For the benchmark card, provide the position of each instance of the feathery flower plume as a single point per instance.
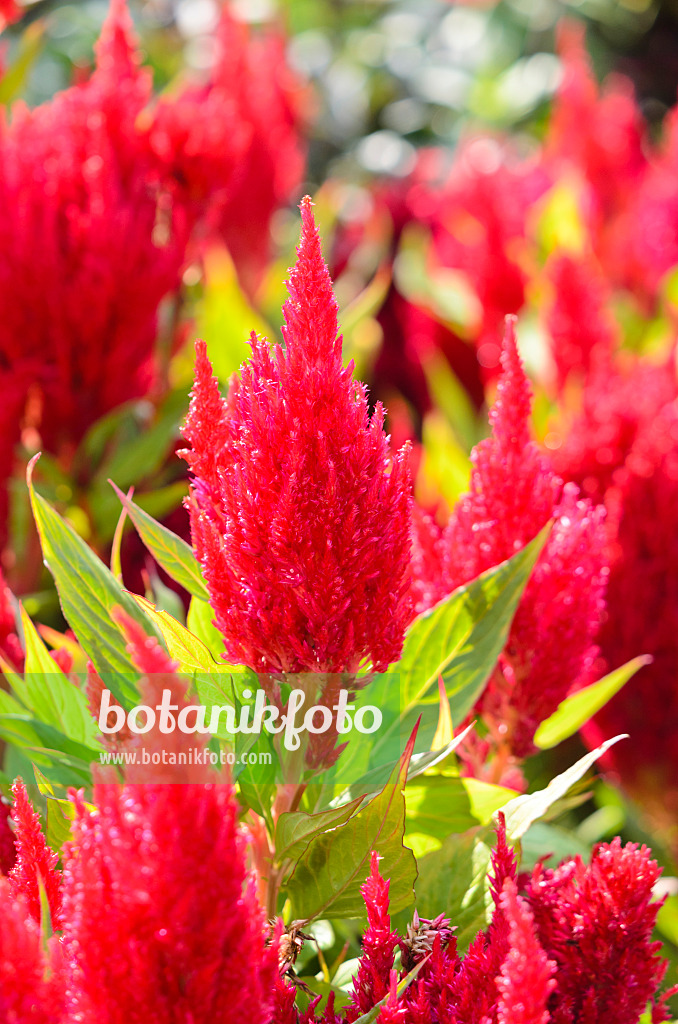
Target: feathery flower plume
(27, 994)
(7, 844)
(525, 981)
(299, 518)
(379, 944)
(582, 332)
(623, 448)
(598, 134)
(514, 493)
(85, 224)
(36, 864)
(619, 402)
(10, 645)
(595, 922)
(162, 924)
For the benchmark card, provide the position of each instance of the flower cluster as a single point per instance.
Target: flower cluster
(102, 201)
(514, 493)
(299, 516)
(564, 946)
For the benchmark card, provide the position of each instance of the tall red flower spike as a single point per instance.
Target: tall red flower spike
(623, 448)
(514, 493)
(7, 844)
(36, 863)
(237, 140)
(597, 133)
(596, 923)
(525, 982)
(10, 645)
(28, 994)
(161, 923)
(379, 944)
(582, 331)
(299, 517)
(89, 245)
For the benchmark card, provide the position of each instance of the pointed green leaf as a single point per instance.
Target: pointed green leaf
(459, 639)
(330, 873)
(575, 711)
(87, 592)
(199, 621)
(171, 552)
(52, 697)
(523, 810)
(454, 881)
(183, 646)
(295, 829)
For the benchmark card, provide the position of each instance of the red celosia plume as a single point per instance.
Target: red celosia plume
(161, 923)
(299, 516)
(31, 989)
(514, 493)
(372, 981)
(526, 978)
(35, 869)
(595, 922)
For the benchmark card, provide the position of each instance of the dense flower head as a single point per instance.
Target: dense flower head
(618, 402)
(83, 226)
(274, 104)
(623, 449)
(35, 870)
(514, 493)
(299, 517)
(161, 922)
(643, 614)
(650, 233)
(234, 140)
(7, 844)
(595, 921)
(478, 215)
(28, 994)
(526, 978)
(559, 951)
(581, 330)
(597, 133)
(379, 944)
(10, 645)
(104, 199)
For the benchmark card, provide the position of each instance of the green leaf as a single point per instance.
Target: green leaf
(199, 621)
(47, 692)
(29, 49)
(371, 782)
(64, 763)
(183, 646)
(546, 840)
(574, 711)
(88, 592)
(327, 879)
(171, 552)
(60, 814)
(486, 798)
(454, 881)
(523, 810)
(459, 639)
(295, 829)
(437, 806)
